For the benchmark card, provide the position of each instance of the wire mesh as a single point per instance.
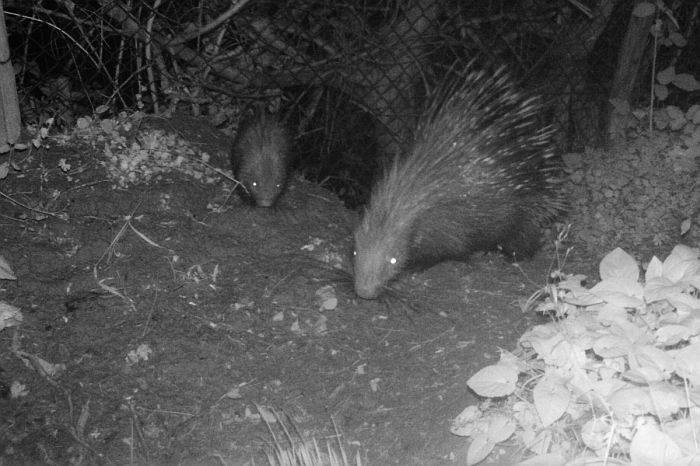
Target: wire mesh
(346, 73)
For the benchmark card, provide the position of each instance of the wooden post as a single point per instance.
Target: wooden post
(10, 121)
(629, 61)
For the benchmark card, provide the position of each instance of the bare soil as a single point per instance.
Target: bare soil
(176, 322)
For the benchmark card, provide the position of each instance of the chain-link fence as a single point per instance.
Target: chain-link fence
(350, 76)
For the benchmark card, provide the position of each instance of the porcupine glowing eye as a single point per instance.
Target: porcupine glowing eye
(392, 261)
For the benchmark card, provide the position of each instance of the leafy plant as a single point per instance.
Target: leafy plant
(614, 375)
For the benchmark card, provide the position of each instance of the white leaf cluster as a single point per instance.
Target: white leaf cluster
(619, 368)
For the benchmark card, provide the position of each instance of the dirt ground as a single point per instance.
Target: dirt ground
(171, 324)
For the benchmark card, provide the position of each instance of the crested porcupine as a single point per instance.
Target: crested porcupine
(479, 176)
(260, 157)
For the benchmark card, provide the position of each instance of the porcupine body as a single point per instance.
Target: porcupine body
(479, 176)
(260, 157)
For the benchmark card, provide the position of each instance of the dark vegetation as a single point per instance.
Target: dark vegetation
(350, 78)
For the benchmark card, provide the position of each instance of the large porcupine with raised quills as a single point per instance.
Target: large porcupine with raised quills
(261, 156)
(479, 176)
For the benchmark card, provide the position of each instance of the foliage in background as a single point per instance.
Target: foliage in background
(647, 193)
(213, 58)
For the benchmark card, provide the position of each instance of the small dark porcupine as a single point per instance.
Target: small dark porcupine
(260, 157)
(479, 176)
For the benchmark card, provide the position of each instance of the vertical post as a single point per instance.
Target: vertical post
(10, 124)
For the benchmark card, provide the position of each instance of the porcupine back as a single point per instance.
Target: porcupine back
(479, 176)
(260, 157)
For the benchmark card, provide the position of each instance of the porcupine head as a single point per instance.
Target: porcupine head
(382, 242)
(260, 158)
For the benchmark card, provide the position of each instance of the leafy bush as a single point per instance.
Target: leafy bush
(614, 375)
